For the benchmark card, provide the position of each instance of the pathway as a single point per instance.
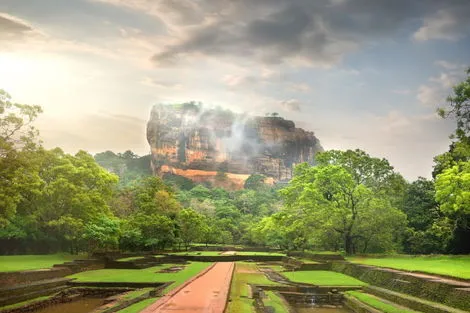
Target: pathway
(206, 293)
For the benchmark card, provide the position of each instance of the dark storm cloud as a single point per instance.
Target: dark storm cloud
(313, 31)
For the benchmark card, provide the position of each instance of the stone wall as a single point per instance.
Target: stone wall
(440, 291)
(14, 278)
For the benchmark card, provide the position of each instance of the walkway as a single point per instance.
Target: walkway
(206, 293)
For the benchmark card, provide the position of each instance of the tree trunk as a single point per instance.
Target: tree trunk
(348, 245)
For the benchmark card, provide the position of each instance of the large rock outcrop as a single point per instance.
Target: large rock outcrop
(191, 141)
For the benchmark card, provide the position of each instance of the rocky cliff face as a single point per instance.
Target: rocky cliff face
(186, 139)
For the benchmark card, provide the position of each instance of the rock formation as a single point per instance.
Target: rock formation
(191, 141)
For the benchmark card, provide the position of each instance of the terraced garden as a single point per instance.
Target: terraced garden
(253, 288)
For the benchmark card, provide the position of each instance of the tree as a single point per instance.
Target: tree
(453, 189)
(152, 196)
(102, 233)
(190, 226)
(329, 198)
(419, 204)
(157, 231)
(255, 182)
(451, 168)
(459, 107)
(68, 193)
(17, 139)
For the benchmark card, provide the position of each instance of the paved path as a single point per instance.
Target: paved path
(206, 293)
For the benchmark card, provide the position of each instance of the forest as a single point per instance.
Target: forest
(349, 201)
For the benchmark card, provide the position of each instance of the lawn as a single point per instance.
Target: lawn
(143, 275)
(201, 253)
(448, 265)
(245, 273)
(323, 278)
(12, 263)
(259, 253)
(377, 303)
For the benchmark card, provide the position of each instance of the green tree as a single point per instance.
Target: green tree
(419, 204)
(329, 198)
(102, 234)
(451, 168)
(156, 231)
(190, 226)
(152, 196)
(453, 189)
(17, 139)
(255, 182)
(459, 107)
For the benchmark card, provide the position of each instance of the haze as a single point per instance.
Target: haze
(365, 74)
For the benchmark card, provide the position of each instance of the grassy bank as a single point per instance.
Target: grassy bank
(13, 263)
(323, 278)
(143, 275)
(448, 265)
(377, 303)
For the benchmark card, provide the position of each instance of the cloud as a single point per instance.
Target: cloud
(309, 32)
(402, 91)
(147, 81)
(449, 23)
(232, 80)
(447, 65)
(299, 87)
(302, 32)
(13, 29)
(428, 95)
(436, 90)
(292, 105)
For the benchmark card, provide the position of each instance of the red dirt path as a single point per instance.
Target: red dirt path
(207, 292)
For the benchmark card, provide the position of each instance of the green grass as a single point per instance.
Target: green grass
(448, 265)
(245, 273)
(13, 263)
(259, 253)
(133, 258)
(139, 306)
(377, 303)
(275, 301)
(323, 278)
(201, 253)
(147, 275)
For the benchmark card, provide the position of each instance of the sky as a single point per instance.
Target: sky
(365, 74)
